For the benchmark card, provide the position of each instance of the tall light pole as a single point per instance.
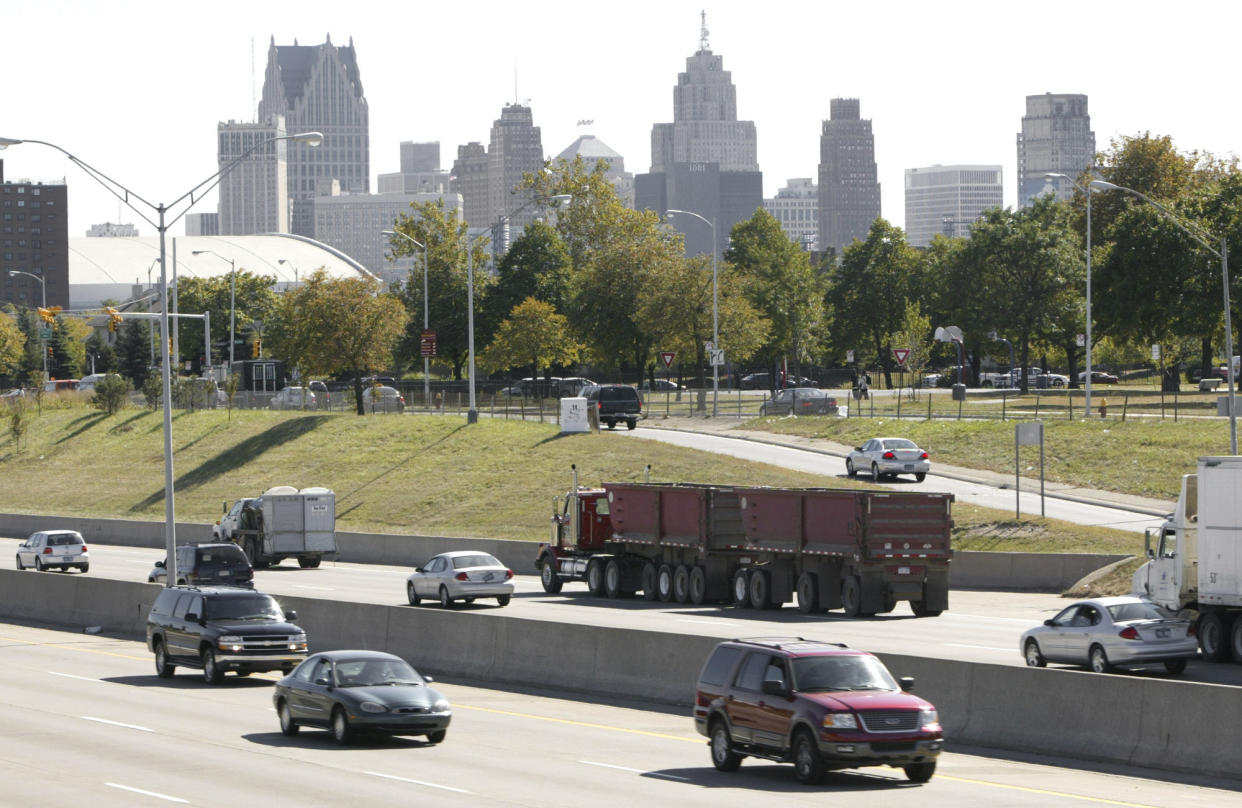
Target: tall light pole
(472, 414)
(232, 303)
(295, 270)
(715, 303)
(43, 287)
(426, 312)
(162, 222)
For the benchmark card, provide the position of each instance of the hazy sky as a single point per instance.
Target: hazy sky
(136, 88)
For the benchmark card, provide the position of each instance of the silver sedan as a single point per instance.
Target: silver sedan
(888, 457)
(1104, 632)
(461, 574)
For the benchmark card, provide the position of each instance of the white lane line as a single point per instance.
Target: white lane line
(115, 723)
(83, 678)
(981, 647)
(635, 771)
(155, 794)
(417, 782)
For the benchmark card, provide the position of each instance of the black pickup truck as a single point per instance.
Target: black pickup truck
(615, 402)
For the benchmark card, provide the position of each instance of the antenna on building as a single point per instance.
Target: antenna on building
(515, 91)
(703, 46)
(254, 103)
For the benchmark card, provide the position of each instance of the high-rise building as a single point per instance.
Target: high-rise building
(705, 161)
(420, 171)
(34, 239)
(470, 180)
(202, 224)
(112, 230)
(796, 207)
(417, 157)
(849, 193)
(591, 149)
(254, 195)
(317, 88)
(1056, 137)
(948, 200)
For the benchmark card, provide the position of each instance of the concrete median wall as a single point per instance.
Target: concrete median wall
(1036, 572)
(1155, 723)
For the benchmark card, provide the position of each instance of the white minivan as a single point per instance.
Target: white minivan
(54, 549)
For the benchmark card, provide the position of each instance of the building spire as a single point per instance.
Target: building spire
(703, 46)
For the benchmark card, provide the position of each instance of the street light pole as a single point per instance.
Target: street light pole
(232, 304)
(43, 296)
(472, 414)
(715, 304)
(426, 313)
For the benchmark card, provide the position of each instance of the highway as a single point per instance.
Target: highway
(87, 722)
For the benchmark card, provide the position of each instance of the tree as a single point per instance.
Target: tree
(253, 299)
(535, 335)
(12, 344)
(101, 352)
(134, 351)
(537, 265)
(68, 345)
(915, 336)
(111, 393)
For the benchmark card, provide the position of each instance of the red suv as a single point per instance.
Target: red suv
(819, 705)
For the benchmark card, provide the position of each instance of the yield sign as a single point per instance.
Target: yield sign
(901, 354)
(667, 358)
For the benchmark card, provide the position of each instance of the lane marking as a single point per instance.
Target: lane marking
(83, 678)
(418, 782)
(115, 723)
(70, 647)
(635, 771)
(586, 724)
(1044, 791)
(980, 647)
(155, 794)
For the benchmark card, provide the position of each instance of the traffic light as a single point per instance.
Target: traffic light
(114, 318)
(48, 315)
(256, 349)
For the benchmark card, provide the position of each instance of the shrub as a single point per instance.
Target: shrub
(111, 392)
(153, 390)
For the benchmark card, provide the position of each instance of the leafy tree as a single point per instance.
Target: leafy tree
(537, 265)
(19, 416)
(533, 335)
(915, 335)
(253, 297)
(153, 390)
(68, 344)
(12, 344)
(111, 393)
(134, 351)
(103, 352)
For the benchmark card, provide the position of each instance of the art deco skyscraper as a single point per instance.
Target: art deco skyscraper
(849, 193)
(1056, 137)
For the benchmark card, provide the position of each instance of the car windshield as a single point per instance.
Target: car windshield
(900, 443)
(375, 673)
(1139, 610)
(61, 539)
(477, 560)
(247, 607)
(841, 672)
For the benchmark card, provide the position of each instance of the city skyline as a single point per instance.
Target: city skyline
(149, 113)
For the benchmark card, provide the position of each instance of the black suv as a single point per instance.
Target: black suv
(615, 402)
(216, 564)
(220, 629)
(819, 705)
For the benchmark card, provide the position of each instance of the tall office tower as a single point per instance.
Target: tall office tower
(316, 88)
(420, 171)
(948, 200)
(1056, 137)
(796, 207)
(34, 235)
(470, 180)
(202, 224)
(417, 157)
(591, 149)
(112, 230)
(516, 150)
(254, 196)
(849, 193)
(705, 160)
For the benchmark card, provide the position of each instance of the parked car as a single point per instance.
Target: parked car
(60, 385)
(1098, 377)
(661, 386)
(542, 387)
(572, 386)
(219, 629)
(799, 401)
(933, 380)
(460, 575)
(615, 403)
(355, 692)
(323, 398)
(756, 381)
(382, 399)
(87, 383)
(293, 398)
(888, 457)
(819, 705)
(16, 393)
(211, 564)
(54, 550)
(1103, 632)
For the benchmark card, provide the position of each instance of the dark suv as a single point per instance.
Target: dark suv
(615, 402)
(819, 705)
(210, 564)
(220, 629)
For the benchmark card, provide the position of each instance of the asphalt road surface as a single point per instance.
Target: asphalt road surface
(87, 722)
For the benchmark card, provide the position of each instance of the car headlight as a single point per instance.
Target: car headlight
(931, 719)
(229, 642)
(297, 642)
(840, 721)
(372, 707)
(441, 706)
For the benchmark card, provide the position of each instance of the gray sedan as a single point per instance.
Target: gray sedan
(888, 457)
(460, 575)
(1104, 632)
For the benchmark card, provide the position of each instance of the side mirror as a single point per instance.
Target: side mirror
(428, 679)
(192, 617)
(907, 683)
(323, 682)
(858, 448)
(774, 687)
(160, 563)
(1049, 623)
(418, 569)
(292, 614)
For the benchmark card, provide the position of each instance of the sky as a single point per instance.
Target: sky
(136, 88)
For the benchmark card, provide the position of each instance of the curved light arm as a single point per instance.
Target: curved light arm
(411, 239)
(674, 212)
(1189, 228)
(39, 278)
(232, 263)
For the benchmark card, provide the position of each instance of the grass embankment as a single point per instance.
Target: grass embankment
(401, 474)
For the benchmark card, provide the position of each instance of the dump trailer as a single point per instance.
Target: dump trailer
(860, 551)
(287, 523)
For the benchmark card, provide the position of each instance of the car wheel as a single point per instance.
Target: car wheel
(723, 756)
(741, 588)
(341, 731)
(548, 578)
(808, 763)
(502, 600)
(851, 596)
(647, 579)
(437, 736)
(920, 476)
(698, 586)
(212, 674)
(84, 568)
(664, 582)
(288, 727)
(445, 601)
(875, 472)
(595, 577)
(39, 565)
(681, 584)
(808, 593)
(1211, 636)
(612, 578)
(19, 562)
(411, 595)
(611, 424)
(1099, 660)
(850, 471)
(631, 424)
(761, 589)
(920, 772)
(1175, 666)
(163, 668)
(1034, 658)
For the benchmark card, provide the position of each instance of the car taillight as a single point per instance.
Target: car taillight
(461, 576)
(47, 551)
(923, 456)
(1129, 633)
(508, 574)
(889, 455)
(83, 550)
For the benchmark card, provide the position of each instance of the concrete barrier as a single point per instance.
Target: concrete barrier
(1155, 723)
(1036, 572)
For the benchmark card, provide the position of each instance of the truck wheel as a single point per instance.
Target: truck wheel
(919, 607)
(595, 576)
(664, 582)
(851, 596)
(648, 580)
(1235, 639)
(163, 668)
(920, 772)
(698, 586)
(551, 582)
(808, 763)
(1212, 637)
(723, 756)
(681, 584)
(808, 593)
(212, 674)
(761, 589)
(309, 562)
(741, 588)
(612, 578)
(630, 424)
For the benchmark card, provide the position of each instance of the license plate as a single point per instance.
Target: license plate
(909, 467)
(1162, 633)
(903, 570)
(487, 576)
(223, 573)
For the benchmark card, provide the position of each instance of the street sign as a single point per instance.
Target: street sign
(427, 343)
(716, 357)
(667, 358)
(1155, 352)
(849, 357)
(1081, 340)
(901, 354)
(45, 333)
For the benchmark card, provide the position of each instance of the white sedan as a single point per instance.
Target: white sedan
(460, 575)
(888, 457)
(293, 398)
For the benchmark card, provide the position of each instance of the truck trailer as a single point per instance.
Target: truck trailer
(861, 551)
(283, 523)
(1195, 564)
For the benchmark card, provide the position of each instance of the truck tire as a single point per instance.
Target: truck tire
(551, 582)
(721, 746)
(309, 562)
(920, 609)
(648, 581)
(664, 582)
(595, 576)
(681, 584)
(761, 589)
(1235, 639)
(741, 588)
(808, 593)
(851, 596)
(1212, 637)
(698, 586)
(612, 579)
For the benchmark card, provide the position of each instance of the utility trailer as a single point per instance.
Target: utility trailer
(287, 523)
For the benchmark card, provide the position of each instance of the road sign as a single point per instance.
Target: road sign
(1155, 352)
(716, 357)
(901, 354)
(427, 343)
(45, 333)
(1081, 339)
(667, 358)
(849, 357)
